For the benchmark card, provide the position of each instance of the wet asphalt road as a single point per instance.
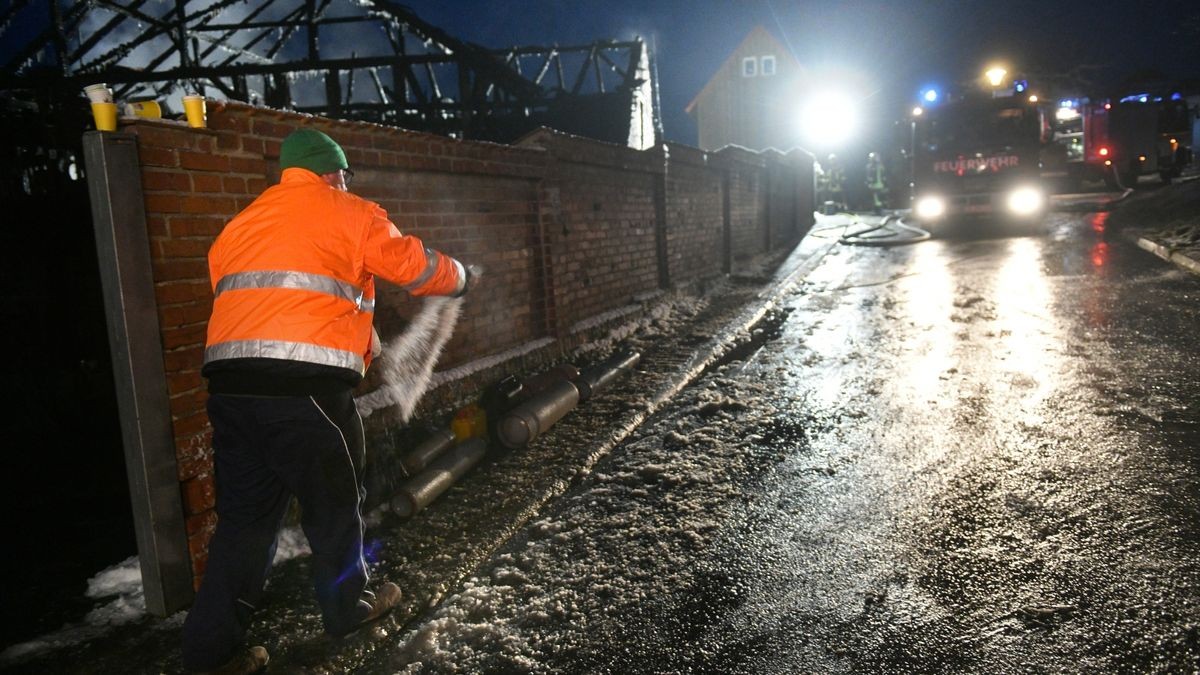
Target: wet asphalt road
(972, 454)
(977, 453)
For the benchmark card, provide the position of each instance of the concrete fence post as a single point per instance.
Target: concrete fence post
(660, 219)
(726, 223)
(123, 248)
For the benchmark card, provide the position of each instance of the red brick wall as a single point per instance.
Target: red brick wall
(600, 224)
(800, 169)
(694, 219)
(565, 228)
(747, 192)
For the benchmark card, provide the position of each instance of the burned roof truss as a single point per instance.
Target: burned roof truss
(371, 60)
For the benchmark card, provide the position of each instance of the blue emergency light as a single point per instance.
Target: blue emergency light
(1020, 86)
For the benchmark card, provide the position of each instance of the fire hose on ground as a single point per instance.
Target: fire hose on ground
(438, 462)
(891, 231)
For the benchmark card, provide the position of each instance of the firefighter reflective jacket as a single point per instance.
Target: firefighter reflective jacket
(293, 280)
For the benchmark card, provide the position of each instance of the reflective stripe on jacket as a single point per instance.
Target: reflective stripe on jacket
(293, 275)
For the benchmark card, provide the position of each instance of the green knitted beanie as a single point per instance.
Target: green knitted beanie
(310, 149)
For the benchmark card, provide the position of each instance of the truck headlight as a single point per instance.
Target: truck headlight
(1025, 201)
(930, 207)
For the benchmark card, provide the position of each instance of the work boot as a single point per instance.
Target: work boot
(249, 660)
(385, 600)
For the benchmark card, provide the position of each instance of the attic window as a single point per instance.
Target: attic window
(749, 66)
(768, 66)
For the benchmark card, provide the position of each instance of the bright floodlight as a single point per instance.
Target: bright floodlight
(918, 111)
(930, 95)
(828, 119)
(1025, 201)
(930, 207)
(996, 75)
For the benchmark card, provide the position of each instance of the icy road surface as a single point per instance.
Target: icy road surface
(968, 454)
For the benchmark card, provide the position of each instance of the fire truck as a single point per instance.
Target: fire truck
(979, 154)
(1136, 136)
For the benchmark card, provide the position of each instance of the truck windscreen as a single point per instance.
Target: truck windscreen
(975, 128)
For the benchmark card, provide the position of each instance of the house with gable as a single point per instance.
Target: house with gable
(752, 99)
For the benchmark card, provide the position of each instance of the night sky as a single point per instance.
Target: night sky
(888, 49)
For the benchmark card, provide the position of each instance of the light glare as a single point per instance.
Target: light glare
(928, 208)
(1025, 201)
(829, 119)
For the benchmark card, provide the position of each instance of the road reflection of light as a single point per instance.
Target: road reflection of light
(1024, 319)
(1099, 221)
(1099, 255)
(930, 304)
(841, 333)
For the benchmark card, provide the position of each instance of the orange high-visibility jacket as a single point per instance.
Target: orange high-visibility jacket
(293, 275)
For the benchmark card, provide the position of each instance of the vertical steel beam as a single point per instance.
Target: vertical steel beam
(660, 218)
(726, 223)
(123, 247)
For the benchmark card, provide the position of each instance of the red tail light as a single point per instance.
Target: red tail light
(1103, 152)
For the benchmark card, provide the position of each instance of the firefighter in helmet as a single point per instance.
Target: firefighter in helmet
(876, 182)
(821, 181)
(835, 182)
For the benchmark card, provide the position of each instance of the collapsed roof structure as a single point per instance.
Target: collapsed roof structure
(371, 60)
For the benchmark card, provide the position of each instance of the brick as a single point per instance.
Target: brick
(199, 495)
(184, 381)
(158, 180)
(198, 548)
(193, 401)
(229, 142)
(194, 455)
(183, 336)
(164, 137)
(181, 315)
(180, 269)
(190, 424)
(199, 565)
(206, 521)
(187, 358)
(225, 121)
(162, 203)
(156, 225)
(204, 161)
(185, 290)
(182, 248)
(212, 205)
(234, 184)
(251, 145)
(196, 226)
(269, 128)
(251, 165)
(202, 182)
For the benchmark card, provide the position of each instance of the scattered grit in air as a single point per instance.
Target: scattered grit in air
(408, 359)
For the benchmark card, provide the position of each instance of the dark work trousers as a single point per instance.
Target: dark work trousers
(266, 450)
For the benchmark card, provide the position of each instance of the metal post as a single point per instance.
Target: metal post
(726, 224)
(123, 248)
(660, 219)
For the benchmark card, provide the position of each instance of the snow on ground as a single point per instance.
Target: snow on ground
(1169, 216)
(120, 600)
(118, 591)
(623, 538)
